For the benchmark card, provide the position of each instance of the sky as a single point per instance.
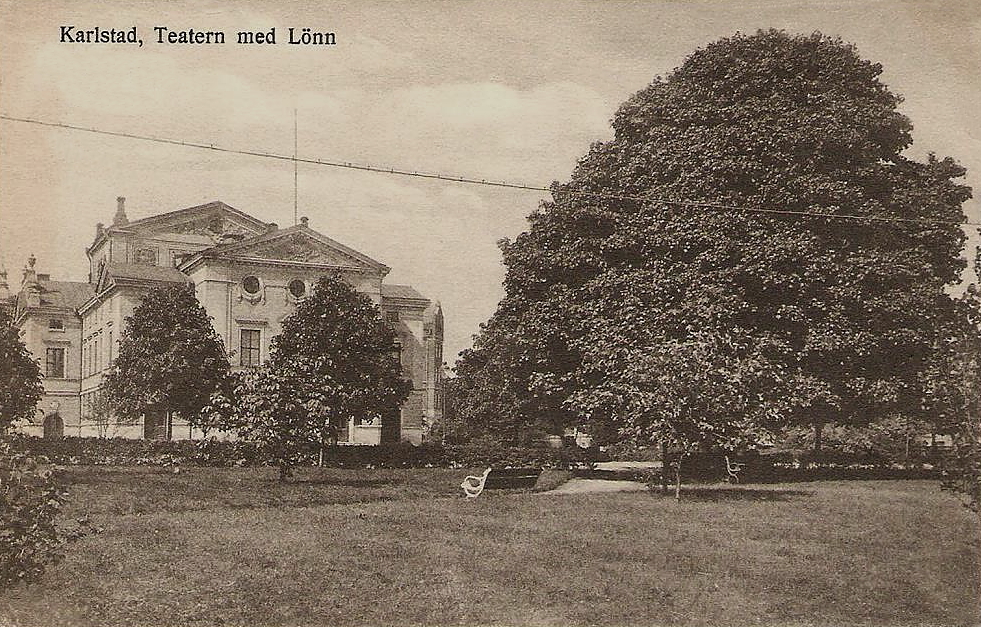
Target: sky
(513, 91)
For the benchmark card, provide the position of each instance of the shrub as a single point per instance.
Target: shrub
(30, 499)
(962, 466)
(551, 479)
(890, 441)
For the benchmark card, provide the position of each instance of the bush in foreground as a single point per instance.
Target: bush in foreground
(30, 499)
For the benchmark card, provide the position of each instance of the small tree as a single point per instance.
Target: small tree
(335, 359)
(263, 405)
(20, 376)
(450, 428)
(170, 357)
(30, 500)
(712, 390)
(100, 411)
(954, 392)
(30, 497)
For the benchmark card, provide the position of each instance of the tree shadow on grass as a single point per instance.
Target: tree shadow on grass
(735, 493)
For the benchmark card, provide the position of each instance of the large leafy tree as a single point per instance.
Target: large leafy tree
(335, 359)
(20, 376)
(621, 273)
(170, 359)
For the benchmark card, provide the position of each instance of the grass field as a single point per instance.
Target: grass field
(380, 547)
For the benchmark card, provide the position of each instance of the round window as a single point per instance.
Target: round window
(297, 288)
(251, 284)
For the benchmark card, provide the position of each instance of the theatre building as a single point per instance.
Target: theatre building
(247, 274)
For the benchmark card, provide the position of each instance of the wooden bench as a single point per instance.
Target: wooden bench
(500, 479)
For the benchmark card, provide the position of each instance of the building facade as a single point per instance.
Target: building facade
(248, 275)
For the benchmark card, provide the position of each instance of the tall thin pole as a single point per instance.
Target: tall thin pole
(295, 178)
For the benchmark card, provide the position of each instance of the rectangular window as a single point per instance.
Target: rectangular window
(56, 325)
(55, 363)
(146, 255)
(250, 347)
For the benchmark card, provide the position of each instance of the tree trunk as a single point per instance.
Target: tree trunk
(906, 456)
(285, 472)
(818, 428)
(664, 467)
(677, 478)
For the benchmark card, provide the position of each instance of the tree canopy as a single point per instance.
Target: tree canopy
(20, 376)
(656, 276)
(335, 359)
(170, 357)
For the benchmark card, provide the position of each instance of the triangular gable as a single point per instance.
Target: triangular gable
(211, 220)
(298, 244)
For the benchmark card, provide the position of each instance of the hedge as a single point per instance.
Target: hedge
(130, 452)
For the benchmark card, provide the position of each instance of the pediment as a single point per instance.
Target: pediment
(301, 246)
(297, 247)
(210, 221)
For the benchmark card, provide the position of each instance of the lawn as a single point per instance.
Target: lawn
(401, 547)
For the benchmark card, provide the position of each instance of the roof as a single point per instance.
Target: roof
(329, 247)
(401, 291)
(61, 294)
(144, 272)
(148, 223)
(215, 205)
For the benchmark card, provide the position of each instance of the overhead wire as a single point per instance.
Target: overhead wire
(485, 182)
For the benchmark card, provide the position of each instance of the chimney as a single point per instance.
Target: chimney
(100, 228)
(303, 221)
(120, 218)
